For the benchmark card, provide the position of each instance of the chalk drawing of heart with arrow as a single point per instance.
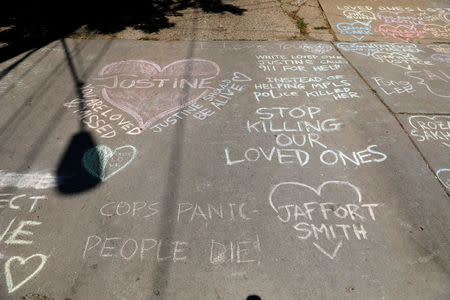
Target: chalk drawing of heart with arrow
(149, 92)
(103, 162)
(326, 216)
(22, 261)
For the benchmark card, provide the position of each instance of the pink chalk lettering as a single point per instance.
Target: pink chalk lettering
(401, 32)
(148, 92)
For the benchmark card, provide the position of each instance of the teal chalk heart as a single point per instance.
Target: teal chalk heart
(103, 162)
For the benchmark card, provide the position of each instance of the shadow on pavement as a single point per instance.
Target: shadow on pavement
(71, 173)
(22, 29)
(72, 169)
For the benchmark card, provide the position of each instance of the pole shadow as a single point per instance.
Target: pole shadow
(72, 173)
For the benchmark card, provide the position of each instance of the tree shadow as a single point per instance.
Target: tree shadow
(22, 29)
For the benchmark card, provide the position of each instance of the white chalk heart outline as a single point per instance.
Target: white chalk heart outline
(317, 192)
(8, 276)
(440, 179)
(240, 77)
(421, 80)
(106, 153)
(427, 117)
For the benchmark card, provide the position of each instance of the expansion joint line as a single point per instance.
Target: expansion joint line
(396, 118)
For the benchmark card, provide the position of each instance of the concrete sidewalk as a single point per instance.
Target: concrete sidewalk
(279, 169)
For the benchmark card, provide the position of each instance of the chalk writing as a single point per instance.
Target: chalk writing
(337, 86)
(103, 162)
(191, 212)
(123, 248)
(399, 55)
(435, 81)
(441, 57)
(440, 48)
(232, 46)
(300, 62)
(316, 215)
(367, 49)
(12, 287)
(362, 15)
(17, 202)
(445, 16)
(399, 59)
(97, 115)
(358, 30)
(19, 233)
(444, 177)
(390, 87)
(397, 22)
(296, 128)
(242, 251)
(435, 128)
(220, 96)
(37, 180)
(315, 48)
(438, 31)
(400, 18)
(192, 109)
(401, 32)
(148, 92)
(138, 209)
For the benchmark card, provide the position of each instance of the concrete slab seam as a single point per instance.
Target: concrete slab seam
(328, 23)
(396, 118)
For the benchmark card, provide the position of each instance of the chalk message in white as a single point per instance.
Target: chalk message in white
(392, 87)
(300, 62)
(96, 114)
(335, 86)
(399, 55)
(36, 180)
(18, 232)
(296, 129)
(333, 212)
(435, 128)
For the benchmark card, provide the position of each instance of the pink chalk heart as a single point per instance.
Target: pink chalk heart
(148, 92)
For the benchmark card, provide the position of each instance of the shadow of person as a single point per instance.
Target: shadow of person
(72, 175)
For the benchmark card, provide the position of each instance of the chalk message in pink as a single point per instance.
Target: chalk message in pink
(148, 92)
(401, 32)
